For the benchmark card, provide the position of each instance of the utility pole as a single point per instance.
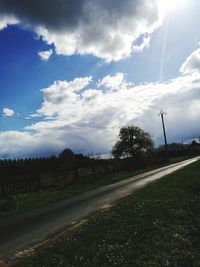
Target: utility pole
(162, 113)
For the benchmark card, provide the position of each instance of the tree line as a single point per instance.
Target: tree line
(134, 147)
(67, 160)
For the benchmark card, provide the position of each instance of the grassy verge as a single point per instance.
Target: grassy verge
(157, 226)
(30, 201)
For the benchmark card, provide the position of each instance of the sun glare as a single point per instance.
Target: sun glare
(168, 5)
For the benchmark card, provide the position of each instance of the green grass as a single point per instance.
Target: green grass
(30, 201)
(157, 226)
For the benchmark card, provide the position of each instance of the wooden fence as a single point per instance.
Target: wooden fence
(95, 171)
(29, 184)
(25, 184)
(82, 175)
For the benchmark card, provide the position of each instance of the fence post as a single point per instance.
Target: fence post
(106, 169)
(39, 181)
(3, 191)
(93, 172)
(76, 174)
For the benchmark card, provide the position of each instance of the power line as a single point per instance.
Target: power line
(31, 67)
(32, 51)
(18, 118)
(73, 125)
(74, 69)
(57, 62)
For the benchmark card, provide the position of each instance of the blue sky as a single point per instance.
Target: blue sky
(119, 66)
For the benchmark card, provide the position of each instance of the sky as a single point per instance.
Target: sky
(73, 72)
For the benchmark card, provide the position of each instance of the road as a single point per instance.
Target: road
(25, 230)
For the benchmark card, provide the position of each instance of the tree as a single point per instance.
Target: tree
(195, 146)
(133, 141)
(66, 155)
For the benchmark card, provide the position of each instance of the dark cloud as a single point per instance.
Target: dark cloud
(57, 14)
(60, 14)
(104, 28)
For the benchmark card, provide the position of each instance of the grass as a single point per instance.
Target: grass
(30, 201)
(157, 226)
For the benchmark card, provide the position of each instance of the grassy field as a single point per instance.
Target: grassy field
(157, 226)
(30, 201)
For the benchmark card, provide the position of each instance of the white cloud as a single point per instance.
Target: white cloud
(45, 55)
(8, 112)
(112, 82)
(88, 121)
(192, 63)
(106, 29)
(7, 20)
(62, 96)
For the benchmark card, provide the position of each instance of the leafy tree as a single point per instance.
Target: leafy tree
(195, 147)
(133, 141)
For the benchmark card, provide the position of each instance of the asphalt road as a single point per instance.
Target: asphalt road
(25, 230)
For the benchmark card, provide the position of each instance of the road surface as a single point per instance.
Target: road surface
(24, 230)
